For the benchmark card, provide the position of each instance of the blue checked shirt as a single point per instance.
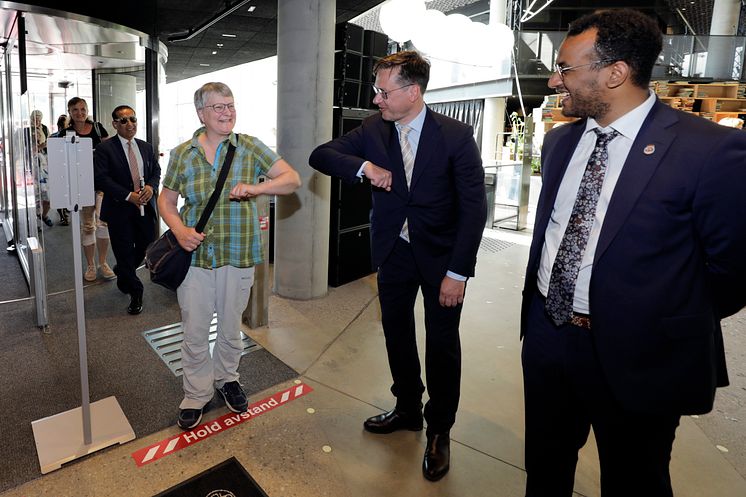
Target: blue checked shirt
(232, 234)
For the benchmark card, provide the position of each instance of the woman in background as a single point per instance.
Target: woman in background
(62, 123)
(94, 232)
(39, 134)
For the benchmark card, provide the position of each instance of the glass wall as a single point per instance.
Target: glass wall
(719, 58)
(54, 66)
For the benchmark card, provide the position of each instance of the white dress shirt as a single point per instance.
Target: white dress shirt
(628, 126)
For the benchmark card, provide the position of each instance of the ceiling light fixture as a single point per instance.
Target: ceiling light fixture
(228, 35)
(220, 45)
(214, 52)
(252, 8)
(205, 65)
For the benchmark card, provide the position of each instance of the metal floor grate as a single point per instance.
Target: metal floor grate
(166, 342)
(493, 245)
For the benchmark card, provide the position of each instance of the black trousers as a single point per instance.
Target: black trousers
(399, 281)
(566, 394)
(129, 237)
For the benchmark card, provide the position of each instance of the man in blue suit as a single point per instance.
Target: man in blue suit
(429, 211)
(128, 173)
(638, 252)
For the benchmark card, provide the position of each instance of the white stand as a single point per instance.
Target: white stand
(60, 438)
(72, 434)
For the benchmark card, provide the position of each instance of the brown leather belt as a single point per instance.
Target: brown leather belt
(581, 320)
(577, 319)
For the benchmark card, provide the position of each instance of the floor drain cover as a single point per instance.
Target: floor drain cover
(166, 342)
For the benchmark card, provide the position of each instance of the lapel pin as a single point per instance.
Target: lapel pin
(649, 149)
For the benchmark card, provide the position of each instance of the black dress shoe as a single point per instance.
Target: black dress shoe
(135, 306)
(392, 421)
(437, 456)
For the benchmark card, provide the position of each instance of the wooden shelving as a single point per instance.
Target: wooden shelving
(551, 112)
(713, 101)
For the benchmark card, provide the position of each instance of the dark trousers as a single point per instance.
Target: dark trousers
(129, 237)
(566, 394)
(399, 281)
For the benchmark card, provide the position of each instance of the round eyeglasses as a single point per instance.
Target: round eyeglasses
(220, 108)
(385, 93)
(561, 70)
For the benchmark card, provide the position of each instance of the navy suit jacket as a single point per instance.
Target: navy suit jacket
(112, 176)
(670, 260)
(445, 204)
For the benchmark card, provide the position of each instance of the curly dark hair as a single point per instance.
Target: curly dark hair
(413, 67)
(627, 35)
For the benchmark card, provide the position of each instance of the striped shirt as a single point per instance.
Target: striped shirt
(232, 234)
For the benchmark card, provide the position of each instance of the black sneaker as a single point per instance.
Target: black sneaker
(234, 396)
(189, 418)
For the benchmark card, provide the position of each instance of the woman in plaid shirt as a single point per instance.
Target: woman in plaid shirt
(225, 254)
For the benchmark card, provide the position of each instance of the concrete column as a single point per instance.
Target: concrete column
(493, 126)
(305, 72)
(720, 50)
(493, 119)
(498, 11)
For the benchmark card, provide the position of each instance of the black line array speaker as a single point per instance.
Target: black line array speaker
(350, 204)
(348, 37)
(347, 65)
(349, 230)
(346, 93)
(345, 120)
(367, 79)
(367, 64)
(349, 256)
(375, 44)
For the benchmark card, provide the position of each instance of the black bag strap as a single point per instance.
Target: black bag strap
(218, 189)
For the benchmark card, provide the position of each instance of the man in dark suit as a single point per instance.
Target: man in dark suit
(429, 211)
(128, 173)
(638, 252)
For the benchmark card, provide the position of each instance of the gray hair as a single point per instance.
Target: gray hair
(200, 96)
(35, 113)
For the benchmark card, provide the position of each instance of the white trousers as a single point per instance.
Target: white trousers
(224, 290)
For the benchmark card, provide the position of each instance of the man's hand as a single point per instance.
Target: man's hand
(243, 191)
(378, 176)
(451, 292)
(146, 194)
(188, 238)
(142, 197)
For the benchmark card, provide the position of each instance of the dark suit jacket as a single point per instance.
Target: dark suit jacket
(670, 260)
(445, 204)
(112, 176)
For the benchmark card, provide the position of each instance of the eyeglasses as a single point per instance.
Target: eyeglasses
(385, 93)
(123, 120)
(220, 108)
(561, 70)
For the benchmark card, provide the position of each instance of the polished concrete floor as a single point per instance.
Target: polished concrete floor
(315, 445)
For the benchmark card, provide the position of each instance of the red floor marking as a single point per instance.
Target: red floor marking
(197, 434)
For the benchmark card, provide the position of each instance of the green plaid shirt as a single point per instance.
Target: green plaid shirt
(232, 234)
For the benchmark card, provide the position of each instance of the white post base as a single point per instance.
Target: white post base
(59, 438)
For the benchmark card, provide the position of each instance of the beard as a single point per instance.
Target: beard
(587, 102)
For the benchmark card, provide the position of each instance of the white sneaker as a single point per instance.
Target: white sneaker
(106, 272)
(90, 273)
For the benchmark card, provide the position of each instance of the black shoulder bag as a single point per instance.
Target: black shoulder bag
(167, 261)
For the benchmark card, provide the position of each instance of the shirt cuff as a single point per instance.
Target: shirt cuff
(127, 198)
(360, 173)
(455, 276)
